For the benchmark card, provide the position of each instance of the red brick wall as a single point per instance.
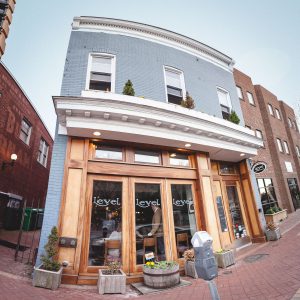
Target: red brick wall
(28, 178)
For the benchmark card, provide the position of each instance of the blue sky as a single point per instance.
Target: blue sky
(262, 36)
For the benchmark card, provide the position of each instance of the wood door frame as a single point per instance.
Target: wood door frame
(84, 267)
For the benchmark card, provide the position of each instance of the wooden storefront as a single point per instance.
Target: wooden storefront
(216, 195)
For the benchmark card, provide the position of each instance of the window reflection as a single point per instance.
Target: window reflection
(184, 216)
(179, 159)
(106, 227)
(150, 157)
(148, 221)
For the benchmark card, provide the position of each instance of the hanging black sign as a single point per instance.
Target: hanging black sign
(259, 167)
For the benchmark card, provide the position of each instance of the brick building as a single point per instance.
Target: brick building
(22, 132)
(275, 123)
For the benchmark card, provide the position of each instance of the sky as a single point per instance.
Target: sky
(261, 36)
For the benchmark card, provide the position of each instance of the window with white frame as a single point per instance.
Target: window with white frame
(101, 72)
(239, 92)
(270, 109)
(279, 144)
(250, 98)
(277, 114)
(175, 86)
(259, 135)
(43, 152)
(295, 125)
(25, 132)
(290, 123)
(286, 147)
(298, 151)
(225, 102)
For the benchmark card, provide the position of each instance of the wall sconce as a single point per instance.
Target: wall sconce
(13, 158)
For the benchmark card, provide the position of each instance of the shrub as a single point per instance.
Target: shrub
(49, 260)
(234, 118)
(128, 89)
(189, 255)
(113, 267)
(188, 102)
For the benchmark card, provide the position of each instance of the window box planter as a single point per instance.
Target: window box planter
(276, 218)
(189, 267)
(46, 279)
(225, 258)
(111, 283)
(273, 235)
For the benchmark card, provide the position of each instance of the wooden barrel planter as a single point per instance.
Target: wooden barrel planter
(161, 278)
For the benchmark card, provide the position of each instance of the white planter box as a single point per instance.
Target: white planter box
(46, 279)
(111, 284)
(277, 217)
(225, 259)
(189, 268)
(273, 235)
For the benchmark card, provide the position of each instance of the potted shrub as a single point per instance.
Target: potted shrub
(48, 274)
(189, 263)
(188, 102)
(224, 258)
(272, 232)
(275, 215)
(163, 274)
(234, 118)
(128, 89)
(112, 280)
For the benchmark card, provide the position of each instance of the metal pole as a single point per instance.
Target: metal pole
(213, 290)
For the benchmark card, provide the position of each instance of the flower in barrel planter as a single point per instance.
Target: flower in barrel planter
(162, 274)
(112, 280)
(48, 274)
(224, 258)
(189, 264)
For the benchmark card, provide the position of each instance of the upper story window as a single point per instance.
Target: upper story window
(175, 86)
(279, 144)
(101, 72)
(239, 92)
(25, 132)
(225, 102)
(250, 98)
(43, 152)
(295, 125)
(286, 147)
(108, 152)
(277, 114)
(290, 123)
(149, 157)
(270, 109)
(259, 135)
(179, 159)
(298, 151)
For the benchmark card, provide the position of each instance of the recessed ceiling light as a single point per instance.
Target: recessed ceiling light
(96, 133)
(173, 154)
(242, 154)
(187, 145)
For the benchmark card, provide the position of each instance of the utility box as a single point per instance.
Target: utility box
(205, 263)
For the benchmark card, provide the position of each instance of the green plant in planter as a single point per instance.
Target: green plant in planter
(128, 89)
(234, 118)
(49, 260)
(188, 102)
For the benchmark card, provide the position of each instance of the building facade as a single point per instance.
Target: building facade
(23, 133)
(134, 174)
(7, 8)
(275, 123)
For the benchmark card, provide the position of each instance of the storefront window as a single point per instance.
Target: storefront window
(148, 222)
(179, 159)
(239, 228)
(149, 157)
(221, 214)
(108, 152)
(106, 226)
(184, 216)
(267, 193)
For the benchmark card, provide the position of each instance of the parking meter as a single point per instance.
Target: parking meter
(205, 263)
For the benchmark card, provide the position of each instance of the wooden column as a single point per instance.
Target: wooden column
(208, 208)
(73, 205)
(257, 234)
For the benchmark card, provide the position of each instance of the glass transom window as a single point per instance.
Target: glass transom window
(149, 157)
(108, 152)
(179, 159)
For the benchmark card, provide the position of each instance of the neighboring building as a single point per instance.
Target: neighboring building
(22, 132)
(142, 168)
(6, 10)
(274, 122)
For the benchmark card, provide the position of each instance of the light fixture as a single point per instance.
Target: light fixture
(96, 133)
(187, 145)
(242, 154)
(173, 155)
(13, 158)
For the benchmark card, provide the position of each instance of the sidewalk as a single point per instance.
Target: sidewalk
(262, 271)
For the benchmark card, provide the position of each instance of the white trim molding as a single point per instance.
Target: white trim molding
(154, 34)
(153, 122)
